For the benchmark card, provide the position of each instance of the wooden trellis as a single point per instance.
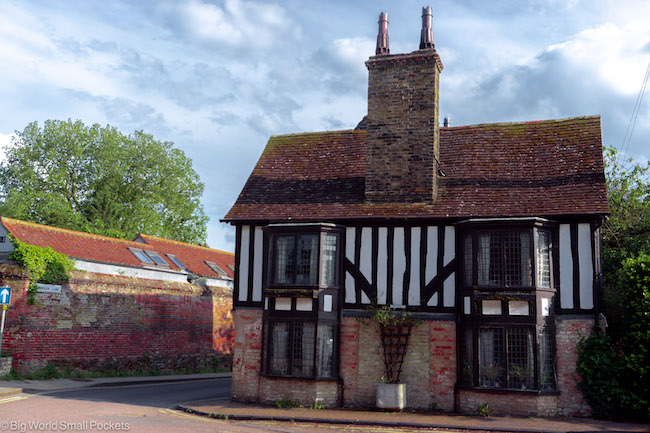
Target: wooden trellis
(394, 340)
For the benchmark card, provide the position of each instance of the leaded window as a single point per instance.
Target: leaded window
(300, 348)
(303, 257)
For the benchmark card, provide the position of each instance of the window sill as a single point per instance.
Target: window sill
(311, 379)
(509, 390)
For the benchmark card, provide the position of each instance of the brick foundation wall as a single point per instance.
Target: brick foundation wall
(429, 368)
(568, 332)
(101, 321)
(247, 355)
(499, 403)
(569, 401)
(306, 392)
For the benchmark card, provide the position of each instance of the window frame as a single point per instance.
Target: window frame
(272, 232)
(539, 323)
(532, 228)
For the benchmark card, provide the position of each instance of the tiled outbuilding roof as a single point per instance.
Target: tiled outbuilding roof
(103, 249)
(544, 168)
(194, 257)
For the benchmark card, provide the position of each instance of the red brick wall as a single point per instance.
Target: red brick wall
(306, 392)
(118, 322)
(567, 336)
(429, 366)
(247, 354)
(568, 402)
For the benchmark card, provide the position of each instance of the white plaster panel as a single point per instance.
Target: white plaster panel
(467, 305)
(586, 267)
(566, 267)
(364, 298)
(491, 308)
(283, 304)
(365, 259)
(433, 302)
(399, 266)
(304, 304)
(327, 303)
(243, 264)
(450, 246)
(349, 254)
(382, 265)
(432, 254)
(449, 291)
(257, 264)
(414, 283)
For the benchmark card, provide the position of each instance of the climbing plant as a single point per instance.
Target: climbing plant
(395, 327)
(43, 265)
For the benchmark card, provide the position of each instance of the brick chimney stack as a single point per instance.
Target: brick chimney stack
(402, 132)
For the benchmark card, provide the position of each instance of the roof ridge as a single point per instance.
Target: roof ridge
(523, 122)
(143, 235)
(317, 132)
(60, 229)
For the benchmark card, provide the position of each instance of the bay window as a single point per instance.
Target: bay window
(301, 287)
(506, 336)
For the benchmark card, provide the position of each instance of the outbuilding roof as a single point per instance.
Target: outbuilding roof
(104, 249)
(544, 168)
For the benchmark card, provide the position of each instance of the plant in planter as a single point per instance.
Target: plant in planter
(491, 375)
(395, 327)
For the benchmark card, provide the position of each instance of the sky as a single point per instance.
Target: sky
(218, 77)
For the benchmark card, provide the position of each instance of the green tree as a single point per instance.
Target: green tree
(615, 368)
(98, 180)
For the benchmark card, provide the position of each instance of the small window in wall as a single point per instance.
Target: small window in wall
(177, 262)
(216, 268)
(2, 239)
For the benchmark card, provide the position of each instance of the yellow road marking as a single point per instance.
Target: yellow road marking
(14, 398)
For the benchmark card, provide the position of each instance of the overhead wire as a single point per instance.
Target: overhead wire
(635, 114)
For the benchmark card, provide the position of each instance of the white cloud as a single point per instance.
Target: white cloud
(238, 23)
(617, 55)
(5, 141)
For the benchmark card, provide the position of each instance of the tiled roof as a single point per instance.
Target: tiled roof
(192, 256)
(544, 168)
(103, 249)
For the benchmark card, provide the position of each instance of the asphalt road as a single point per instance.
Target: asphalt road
(154, 395)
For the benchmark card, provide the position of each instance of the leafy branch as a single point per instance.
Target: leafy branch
(43, 265)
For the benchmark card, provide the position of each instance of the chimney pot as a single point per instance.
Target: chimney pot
(382, 37)
(426, 35)
(447, 122)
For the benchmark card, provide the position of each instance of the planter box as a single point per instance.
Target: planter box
(391, 396)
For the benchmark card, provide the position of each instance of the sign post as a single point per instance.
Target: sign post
(5, 300)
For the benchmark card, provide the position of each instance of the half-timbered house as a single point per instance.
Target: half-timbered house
(489, 233)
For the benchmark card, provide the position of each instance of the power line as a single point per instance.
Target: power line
(635, 115)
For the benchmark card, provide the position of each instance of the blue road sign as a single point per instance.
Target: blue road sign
(5, 295)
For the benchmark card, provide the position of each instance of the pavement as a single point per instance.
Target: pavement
(226, 409)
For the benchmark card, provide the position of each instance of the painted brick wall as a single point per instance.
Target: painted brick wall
(112, 321)
(429, 366)
(247, 353)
